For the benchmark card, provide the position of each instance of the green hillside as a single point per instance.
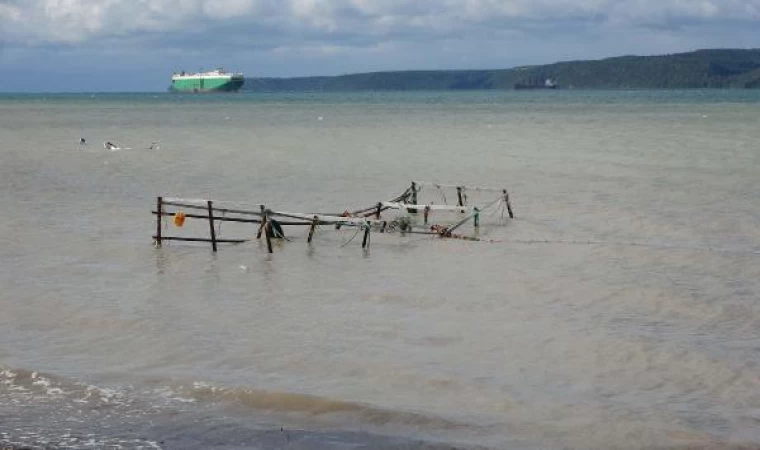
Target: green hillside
(718, 68)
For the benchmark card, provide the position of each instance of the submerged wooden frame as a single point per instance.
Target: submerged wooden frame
(366, 219)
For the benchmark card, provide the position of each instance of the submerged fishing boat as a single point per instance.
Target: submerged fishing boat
(411, 213)
(214, 81)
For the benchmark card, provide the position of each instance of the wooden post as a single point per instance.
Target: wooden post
(459, 196)
(427, 212)
(414, 197)
(159, 208)
(263, 222)
(365, 241)
(211, 224)
(312, 228)
(509, 205)
(267, 235)
(377, 213)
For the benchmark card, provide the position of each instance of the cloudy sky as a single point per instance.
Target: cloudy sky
(134, 45)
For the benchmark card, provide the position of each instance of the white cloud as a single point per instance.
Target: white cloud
(214, 9)
(9, 13)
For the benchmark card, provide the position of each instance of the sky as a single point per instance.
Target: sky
(135, 45)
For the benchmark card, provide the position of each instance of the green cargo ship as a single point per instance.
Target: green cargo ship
(215, 81)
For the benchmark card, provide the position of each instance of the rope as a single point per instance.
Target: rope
(470, 216)
(219, 226)
(204, 201)
(622, 244)
(454, 186)
(441, 193)
(431, 207)
(358, 229)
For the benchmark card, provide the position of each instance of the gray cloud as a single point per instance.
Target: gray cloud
(77, 22)
(138, 41)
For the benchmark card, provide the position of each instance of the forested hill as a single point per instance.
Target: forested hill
(719, 68)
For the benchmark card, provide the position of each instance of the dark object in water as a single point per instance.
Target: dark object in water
(275, 230)
(358, 218)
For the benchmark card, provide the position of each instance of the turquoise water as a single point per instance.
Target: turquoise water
(619, 309)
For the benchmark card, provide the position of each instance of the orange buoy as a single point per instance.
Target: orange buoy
(179, 219)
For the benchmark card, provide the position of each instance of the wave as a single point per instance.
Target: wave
(42, 386)
(40, 410)
(32, 385)
(288, 402)
(48, 410)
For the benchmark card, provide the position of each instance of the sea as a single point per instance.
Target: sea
(618, 309)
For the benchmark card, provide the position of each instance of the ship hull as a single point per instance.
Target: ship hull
(207, 84)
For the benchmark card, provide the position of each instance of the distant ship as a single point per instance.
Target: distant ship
(215, 81)
(537, 84)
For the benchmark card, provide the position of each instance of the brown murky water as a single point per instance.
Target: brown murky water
(620, 309)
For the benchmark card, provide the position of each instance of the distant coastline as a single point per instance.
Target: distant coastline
(716, 68)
